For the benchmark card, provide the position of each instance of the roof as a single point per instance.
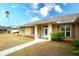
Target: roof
(62, 19)
(3, 27)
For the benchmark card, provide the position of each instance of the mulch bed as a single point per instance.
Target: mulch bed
(67, 41)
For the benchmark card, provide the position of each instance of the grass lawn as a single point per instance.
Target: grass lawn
(50, 48)
(11, 40)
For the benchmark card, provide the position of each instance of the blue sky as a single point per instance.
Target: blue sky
(22, 13)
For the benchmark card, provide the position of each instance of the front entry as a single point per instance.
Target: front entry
(45, 32)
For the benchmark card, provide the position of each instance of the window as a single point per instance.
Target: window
(66, 29)
(63, 29)
(32, 30)
(46, 31)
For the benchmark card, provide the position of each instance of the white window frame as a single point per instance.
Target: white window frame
(65, 26)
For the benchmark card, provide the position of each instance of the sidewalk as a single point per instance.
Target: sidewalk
(19, 47)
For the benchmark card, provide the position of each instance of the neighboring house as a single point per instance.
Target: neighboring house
(42, 29)
(14, 30)
(3, 29)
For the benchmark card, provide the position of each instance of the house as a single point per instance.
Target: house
(41, 29)
(14, 30)
(3, 29)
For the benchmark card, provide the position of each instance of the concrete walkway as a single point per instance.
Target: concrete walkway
(19, 47)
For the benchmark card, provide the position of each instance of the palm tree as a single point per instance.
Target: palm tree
(7, 13)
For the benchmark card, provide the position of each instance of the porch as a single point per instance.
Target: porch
(43, 31)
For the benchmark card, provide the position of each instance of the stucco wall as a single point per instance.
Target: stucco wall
(73, 31)
(77, 31)
(41, 30)
(28, 31)
(55, 27)
(22, 31)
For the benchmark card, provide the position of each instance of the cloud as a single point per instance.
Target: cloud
(35, 5)
(44, 11)
(57, 8)
(48, 7)
(35, 19)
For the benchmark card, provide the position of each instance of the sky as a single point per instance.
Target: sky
(23, 13)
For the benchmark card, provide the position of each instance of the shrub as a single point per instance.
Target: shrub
(76, 52)
(57, 36)
(75, 43)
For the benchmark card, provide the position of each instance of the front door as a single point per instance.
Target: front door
(45, 32)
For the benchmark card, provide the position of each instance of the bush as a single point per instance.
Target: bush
(57, 36)
(75, 43)
(76, 52)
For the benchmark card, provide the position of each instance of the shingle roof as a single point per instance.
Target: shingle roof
(62, 19)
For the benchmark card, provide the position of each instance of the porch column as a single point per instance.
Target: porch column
(49, 31)
(36, 32)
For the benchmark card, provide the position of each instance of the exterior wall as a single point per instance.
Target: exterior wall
(55, 27)
(40, 29)
(22, 31)
(73, 31)
(76, 31)
(26, 31)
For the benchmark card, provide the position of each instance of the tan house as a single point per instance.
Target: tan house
(42, 29)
